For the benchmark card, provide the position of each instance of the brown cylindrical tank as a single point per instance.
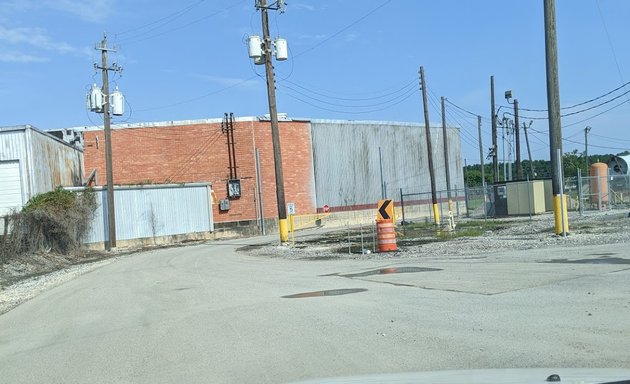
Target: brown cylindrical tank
(599, 183)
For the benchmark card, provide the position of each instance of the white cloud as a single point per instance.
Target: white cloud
(301, 6)
(17, 57)
(35, 37)
(88, 10)
(312, 37)
(350, 37)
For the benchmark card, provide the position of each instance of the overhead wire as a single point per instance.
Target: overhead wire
(199, 97)
(610, 44)
(318, 93)
(167, 17)
(340, 31)
(394, 102)
(213, 14)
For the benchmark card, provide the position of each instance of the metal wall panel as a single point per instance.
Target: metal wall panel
(153, 211)
(346, 160)
(45, 161)
(54, 163)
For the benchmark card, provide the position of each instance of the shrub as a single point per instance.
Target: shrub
(54, 221)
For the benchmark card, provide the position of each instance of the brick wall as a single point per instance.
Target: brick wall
(198, 153)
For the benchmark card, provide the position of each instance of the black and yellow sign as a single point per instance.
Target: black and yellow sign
(385, 210)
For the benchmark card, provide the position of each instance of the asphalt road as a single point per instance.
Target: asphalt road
(208, 314)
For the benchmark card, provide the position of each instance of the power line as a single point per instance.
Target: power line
(612, 47)
(404, 87)
(167, 19)
(578, 104)
(357, 21)
(596, 146)
(198, 97)
(406, 90)
(580, 111)
(404, 97)
(133, 40)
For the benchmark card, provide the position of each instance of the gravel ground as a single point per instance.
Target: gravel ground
(23, 279)
(592, 228)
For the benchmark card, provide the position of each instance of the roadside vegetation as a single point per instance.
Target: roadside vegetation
(55, 221)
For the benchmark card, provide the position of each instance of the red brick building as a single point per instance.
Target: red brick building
(197, 151)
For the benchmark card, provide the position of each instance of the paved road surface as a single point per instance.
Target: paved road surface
(208, 314)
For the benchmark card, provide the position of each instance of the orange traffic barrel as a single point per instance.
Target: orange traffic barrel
(386, 236)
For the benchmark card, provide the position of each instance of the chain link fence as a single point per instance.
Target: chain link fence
(587, 193)
(463, 202)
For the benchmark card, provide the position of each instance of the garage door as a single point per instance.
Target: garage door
(10, 186)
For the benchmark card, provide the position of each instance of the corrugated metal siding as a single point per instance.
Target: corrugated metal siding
(346, 160)
(45, 162)
(13, 148)
(154, 210)
(53, 163)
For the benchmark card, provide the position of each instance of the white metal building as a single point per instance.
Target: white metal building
(34, 162)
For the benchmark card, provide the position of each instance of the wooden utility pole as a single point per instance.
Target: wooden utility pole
(519, 167)
(553, 106)
(529, 152)
(483, 171)
(275, 133)
(111, 212)
(446, 160)
(436, 211)
(495, 148)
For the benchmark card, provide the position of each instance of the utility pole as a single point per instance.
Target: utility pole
(483, 172)
(586, 131)
(111, 212)
(446, 161)
(273, 112)
(436, 211)
(495, 160)
(553, 106)
(519, 168)
(529, 152)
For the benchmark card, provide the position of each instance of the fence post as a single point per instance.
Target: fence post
(457, 200)
(441, 201)
(580, 196)
(466, 190)
(402, 207)
(608, 182)
(599, 192)
(529, 198)
(485, 203)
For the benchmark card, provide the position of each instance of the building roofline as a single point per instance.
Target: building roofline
(26, 127)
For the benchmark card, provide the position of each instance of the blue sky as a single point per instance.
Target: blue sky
(349, 60)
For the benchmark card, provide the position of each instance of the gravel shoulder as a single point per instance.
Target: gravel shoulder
(521, 233)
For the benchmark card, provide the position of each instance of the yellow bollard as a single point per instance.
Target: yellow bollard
(558, 214)
(436, 214)
(283, 228)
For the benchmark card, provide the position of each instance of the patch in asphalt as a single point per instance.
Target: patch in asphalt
(392, 270)
(330, 292)
(601, 260)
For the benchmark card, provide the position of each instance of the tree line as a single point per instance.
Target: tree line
(572, 161)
